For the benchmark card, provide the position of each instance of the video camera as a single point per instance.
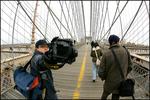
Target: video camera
(61, 51)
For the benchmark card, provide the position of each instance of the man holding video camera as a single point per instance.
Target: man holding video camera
(49, 56)
(38, 68)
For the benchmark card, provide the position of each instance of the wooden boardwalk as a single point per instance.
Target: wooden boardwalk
(75, 81)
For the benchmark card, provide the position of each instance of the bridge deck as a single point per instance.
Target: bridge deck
(75, 81)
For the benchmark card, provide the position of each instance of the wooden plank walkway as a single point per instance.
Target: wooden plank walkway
(75, 81)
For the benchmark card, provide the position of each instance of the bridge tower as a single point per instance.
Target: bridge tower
(33, 28)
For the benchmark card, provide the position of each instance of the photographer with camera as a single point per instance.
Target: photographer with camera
(38, 67)
(49, 56)
(38, 83)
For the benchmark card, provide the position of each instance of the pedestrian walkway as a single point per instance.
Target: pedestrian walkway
(75, 81)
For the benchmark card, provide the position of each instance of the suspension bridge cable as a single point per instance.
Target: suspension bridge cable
(101, 19)
(137, 28)
(115, 20)
(14, 29)
(57, 18)
(147, 8)
(8, 33)
(80, 21)
(77, 19)
(39, 20)
(104, 18)
(61, 19)
(90, 17)
(70, 19)
(12, 19)
(64, 16)
(30, 18)
(115, 13)
(145, 40)
(133, 35)
(47, 20)
(108, 21)
(18, 12)
(80, 17)
(114, 16)
(83, 19)
(120, 21)
(137, 22)
(73, 13)
(94, 19)
(55, 23)
(13, 33)
(98, 15)
(132, 20)
(141, 37)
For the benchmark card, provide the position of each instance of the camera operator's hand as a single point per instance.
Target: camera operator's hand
(50, 64)
(54, 66)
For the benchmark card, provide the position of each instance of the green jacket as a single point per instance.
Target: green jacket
(93, 55)
(112, 74)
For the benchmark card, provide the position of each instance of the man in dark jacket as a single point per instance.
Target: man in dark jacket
(112, 75)
(38, 68)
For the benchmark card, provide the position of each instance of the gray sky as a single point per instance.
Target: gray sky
(139, 32)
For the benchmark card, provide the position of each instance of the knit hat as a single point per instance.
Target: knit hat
(40, 42)
(113, 38)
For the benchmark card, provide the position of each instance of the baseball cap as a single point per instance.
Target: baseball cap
(41, 42)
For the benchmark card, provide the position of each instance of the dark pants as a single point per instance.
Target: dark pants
(50, 91)
(105, 95)
(49, 94)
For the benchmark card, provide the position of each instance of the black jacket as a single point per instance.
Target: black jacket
(38, 68)
(38, 65)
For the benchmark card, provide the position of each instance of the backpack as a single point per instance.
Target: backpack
(25, 83)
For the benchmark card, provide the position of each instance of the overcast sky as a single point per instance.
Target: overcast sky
(138, 33)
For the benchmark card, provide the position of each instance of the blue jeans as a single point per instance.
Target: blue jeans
(94, 70)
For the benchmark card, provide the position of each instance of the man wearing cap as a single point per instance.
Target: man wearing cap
(112, 75)
(38, 68)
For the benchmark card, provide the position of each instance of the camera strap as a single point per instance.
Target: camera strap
(26, 65)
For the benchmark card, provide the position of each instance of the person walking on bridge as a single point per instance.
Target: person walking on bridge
(96, 53)
(112, 75)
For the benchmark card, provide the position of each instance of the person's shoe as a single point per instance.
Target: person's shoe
(93, 80)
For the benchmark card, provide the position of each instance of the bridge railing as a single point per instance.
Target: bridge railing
(7, 68)
(140, 60)
(141, 72)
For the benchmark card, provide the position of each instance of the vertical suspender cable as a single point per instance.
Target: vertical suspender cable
(90, 17)
(84, 19)
(70, 20)
(100, 21)
(104, 18)
(47, 20)
(13, 33)
(64, 16)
